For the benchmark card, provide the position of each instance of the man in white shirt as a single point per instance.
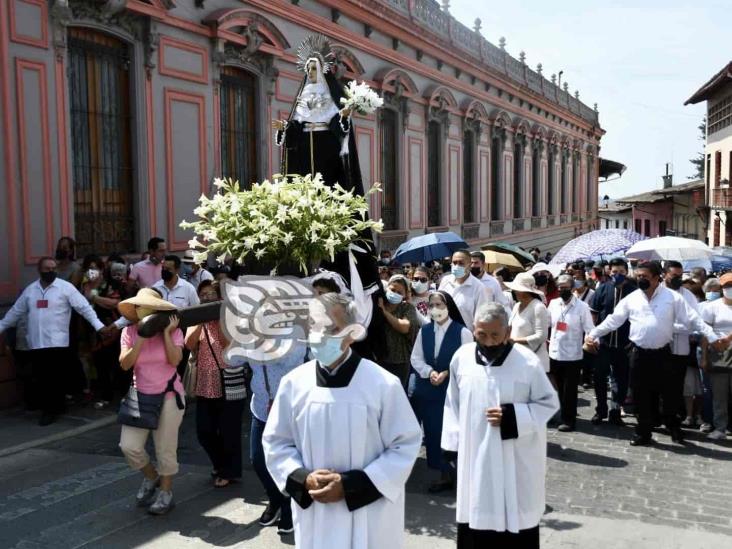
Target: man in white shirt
(499, 400)
(172, 287)
(468, 292)
(477, 269)
(570, 320)
(653, 311)
(195, 272)
(681, 358)
(46, 306)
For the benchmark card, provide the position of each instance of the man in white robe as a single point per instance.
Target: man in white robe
(341, 440)
(498, 403)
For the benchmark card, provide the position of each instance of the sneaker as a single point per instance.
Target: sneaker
(101, 404)
(146, 492)
(706, 428)
(717, 435)
(162, 504)
(565, 428)
(270, 516)
(285, 526)
(689, 422)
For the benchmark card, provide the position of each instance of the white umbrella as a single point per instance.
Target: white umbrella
(669, 248)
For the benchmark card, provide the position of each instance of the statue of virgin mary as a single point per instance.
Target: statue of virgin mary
(317, 137)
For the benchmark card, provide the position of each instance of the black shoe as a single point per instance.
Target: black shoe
(46, 419)
(270, 516)
(615, 419)
(565, 428)
(440, 486)
(640, 440)
(596, 419)
(285, 525)
(677, 436)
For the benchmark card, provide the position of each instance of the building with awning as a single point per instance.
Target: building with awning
(717, 92)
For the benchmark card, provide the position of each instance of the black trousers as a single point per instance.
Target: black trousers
(611, 361)
(467, 538)
(48, 366)
(566, 374)
(106, 363)
(656, 374)
(218, 427)
(399, 370)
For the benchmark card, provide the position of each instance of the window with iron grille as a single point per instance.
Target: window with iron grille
(564, 195)
(468, 176)
(551, 189)
(389, 169)
(101, 134)
(496, 194)
(518, 180)
(238, 126)
(434, 173)
(717, 168)
(536, 182)
(590, 173)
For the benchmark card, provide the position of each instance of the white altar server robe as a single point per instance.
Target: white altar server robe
(367, 425)
(500, 482)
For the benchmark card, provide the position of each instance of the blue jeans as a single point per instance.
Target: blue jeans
(611, 362)
(256, 456)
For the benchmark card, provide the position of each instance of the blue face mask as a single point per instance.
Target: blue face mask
(328, 350)
(618, 279)
(711, 296)
(393, 297)
(458, 271)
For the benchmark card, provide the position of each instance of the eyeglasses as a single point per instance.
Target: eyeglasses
(420, 279)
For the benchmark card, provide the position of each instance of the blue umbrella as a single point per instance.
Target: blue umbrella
(597, 244)
(428, 247)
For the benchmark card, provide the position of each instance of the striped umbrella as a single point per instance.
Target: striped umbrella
(597, 244)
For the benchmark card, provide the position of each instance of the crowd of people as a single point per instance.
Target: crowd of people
(476, 361)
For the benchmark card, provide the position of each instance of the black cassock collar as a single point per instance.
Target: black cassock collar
(498, 361)
(342, 378)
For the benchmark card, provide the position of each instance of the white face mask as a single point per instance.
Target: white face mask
(438, 315)
(420, 287)
(727, 292)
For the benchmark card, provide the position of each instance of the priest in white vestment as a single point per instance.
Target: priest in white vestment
(498, 403)
(341, 439)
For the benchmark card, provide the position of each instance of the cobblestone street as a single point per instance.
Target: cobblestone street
(601, 493)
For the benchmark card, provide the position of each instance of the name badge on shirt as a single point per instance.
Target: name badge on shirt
(561, 326)
(42, 304)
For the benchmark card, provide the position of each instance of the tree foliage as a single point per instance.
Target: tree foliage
(698, 160)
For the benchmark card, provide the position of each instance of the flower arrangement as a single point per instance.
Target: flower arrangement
(296, 219)
(361, 98)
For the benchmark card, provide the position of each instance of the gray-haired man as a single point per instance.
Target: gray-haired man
(341, 439)
(498, 403)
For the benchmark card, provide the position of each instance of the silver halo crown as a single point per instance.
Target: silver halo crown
(315, 45)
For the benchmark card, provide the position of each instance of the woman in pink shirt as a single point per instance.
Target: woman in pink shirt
(154, 362)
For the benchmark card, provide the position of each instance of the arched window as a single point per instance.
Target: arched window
(496, 186)
(536, 179)
(551, 188)
(590, 173)
(389, 168)
(101, 141)
(468, 176)
(434, 173)
(564, 200)
(576, 183)
(518, 177)
(238, 125)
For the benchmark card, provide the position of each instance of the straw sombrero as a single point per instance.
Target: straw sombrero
(147, 298)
